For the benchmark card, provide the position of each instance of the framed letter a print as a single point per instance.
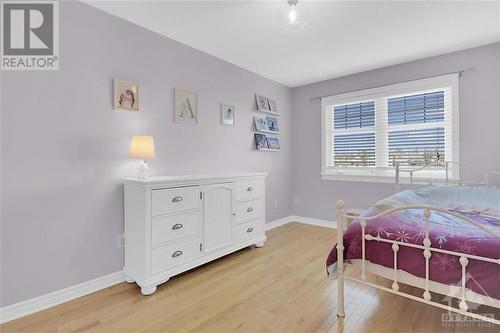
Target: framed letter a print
(185, 107)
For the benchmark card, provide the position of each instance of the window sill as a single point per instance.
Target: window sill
(384, 179)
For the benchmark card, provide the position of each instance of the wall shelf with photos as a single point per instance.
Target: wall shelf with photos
(266, 125)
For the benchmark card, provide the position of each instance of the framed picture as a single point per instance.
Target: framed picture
(272, 106)
(272, 124)
(261, 141)
(273, 143)
(227, 114)
(260, 124)
(185, 107)
(262, 102)
(126, 95)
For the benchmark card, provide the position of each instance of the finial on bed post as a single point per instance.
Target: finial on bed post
(340, 256)
(446, 164)
(397, 173)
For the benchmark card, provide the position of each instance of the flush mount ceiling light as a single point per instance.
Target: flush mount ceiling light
(295, 21)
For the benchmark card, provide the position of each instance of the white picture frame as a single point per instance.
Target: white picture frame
(260, 124)
(262, 103)
(273, 143)
(273, 107)
(272, 124)
(185, 107)
(125, 95)
(227, 114)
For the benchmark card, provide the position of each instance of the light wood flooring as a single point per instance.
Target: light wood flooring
(281, 287)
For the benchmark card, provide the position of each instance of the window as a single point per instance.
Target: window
(412, 124)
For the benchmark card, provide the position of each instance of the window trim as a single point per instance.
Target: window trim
(387, 175)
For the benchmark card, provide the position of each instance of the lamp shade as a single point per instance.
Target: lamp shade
(142, 147)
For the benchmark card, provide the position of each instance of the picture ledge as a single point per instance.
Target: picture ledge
(267, 132)
(268, 112)
(266, 149)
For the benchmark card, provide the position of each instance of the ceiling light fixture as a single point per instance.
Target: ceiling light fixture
(294, 21)
(292, 14)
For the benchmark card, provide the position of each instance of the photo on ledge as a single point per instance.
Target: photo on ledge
(273, 143)
(272, 124)
(260, 124)
(261, 141)
(262, 103)
(273, 107)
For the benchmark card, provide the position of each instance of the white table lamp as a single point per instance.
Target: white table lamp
(142, 147)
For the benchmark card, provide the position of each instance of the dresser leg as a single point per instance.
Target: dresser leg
(129, 279)
(259, 244)
(148, 290)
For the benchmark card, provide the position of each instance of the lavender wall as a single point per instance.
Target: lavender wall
(64, 149)
(479, 126)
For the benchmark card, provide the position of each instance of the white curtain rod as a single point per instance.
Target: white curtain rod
(460, 72)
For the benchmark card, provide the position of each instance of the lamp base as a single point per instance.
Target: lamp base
(143, 170)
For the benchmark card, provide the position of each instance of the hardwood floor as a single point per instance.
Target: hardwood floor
(281, 287)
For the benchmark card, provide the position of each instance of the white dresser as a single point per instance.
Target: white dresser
(173, 224)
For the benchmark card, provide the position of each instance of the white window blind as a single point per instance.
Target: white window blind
(366, 133)
(354, 136)
(411, 142)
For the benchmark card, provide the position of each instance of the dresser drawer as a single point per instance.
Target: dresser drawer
(249, 210)
(173, 227)
(175, 200)
(247, 231)
(249, 189)
(175, 254)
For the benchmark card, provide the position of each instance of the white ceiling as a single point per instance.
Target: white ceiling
(340, 38)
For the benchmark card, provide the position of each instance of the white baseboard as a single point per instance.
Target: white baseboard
(313, 221)
(301, 219)
(46, 301)
(278, 222)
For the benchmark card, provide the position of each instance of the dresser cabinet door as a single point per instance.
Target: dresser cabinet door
(217, 216)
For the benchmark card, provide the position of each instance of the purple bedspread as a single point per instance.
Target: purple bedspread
(482, 204)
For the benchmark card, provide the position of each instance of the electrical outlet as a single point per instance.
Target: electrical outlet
(295, 200)
(120, 241)
(275, 204)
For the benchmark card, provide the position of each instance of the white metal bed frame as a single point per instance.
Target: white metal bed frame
(427, 251)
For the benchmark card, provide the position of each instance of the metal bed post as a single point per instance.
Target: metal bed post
(340, 257)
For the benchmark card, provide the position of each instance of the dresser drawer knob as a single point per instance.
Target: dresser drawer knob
(177, 199)
(249, 230)
(176, 254)
(250, 189)
(177, 226)
(249, 209)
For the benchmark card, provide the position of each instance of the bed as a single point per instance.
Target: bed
(443, 239)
